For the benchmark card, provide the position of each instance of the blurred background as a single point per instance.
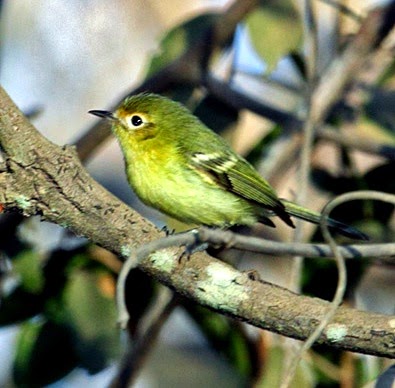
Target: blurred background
(60, 59)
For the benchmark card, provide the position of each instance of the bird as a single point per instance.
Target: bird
(179, 166)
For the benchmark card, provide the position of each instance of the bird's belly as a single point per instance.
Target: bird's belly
(184, 196)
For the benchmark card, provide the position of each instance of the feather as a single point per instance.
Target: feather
(239, 177)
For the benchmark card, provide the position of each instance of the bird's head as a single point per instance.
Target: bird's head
(145, 115)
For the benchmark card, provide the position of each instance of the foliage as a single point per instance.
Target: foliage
(64, 302)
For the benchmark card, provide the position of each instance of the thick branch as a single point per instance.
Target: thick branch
(42, 178)
(224, 289)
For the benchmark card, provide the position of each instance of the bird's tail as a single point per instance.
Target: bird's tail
(314, 217)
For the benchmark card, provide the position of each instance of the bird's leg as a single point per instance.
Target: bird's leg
(196, 246)
(168, 232)
(253, 275)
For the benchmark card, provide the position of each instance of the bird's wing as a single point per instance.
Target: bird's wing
(238, 176)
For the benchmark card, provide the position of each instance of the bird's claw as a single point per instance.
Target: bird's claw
(168, 232)
(253, 275)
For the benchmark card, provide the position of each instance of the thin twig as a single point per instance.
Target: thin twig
(134, 260)
(311, 42)
(345, 67)
(138, 350)
(320, 99)
(290, 123)
(310, 37)
(351, 141)
(229, 239)
(229, 278)
(268, 247)
(347, 11)
(337, 300)
(342, 272)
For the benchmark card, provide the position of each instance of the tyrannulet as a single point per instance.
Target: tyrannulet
(177, 165)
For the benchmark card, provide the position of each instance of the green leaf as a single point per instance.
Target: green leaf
(264, 146)
(275, 31)
(388, 76)
(274, 365)
(90, 313)
(28, 265)
(178, 40)
(227, 337)
(43, 354)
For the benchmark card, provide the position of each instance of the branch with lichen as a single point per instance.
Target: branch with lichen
(40, 178)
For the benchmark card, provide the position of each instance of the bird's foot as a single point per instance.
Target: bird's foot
(168, 232)
(253, 275)
(190, 249)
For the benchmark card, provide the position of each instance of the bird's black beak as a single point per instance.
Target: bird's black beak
(103, 113)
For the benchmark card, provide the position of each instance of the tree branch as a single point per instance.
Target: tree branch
(224, 289)
(139, 348)
(41, 178)
(268, 247)
(44, 179)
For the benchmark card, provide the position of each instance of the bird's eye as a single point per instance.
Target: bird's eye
(136, 121)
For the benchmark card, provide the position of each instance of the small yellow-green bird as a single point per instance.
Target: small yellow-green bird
(177, 165)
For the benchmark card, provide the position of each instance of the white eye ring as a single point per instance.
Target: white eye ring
(136, 121)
